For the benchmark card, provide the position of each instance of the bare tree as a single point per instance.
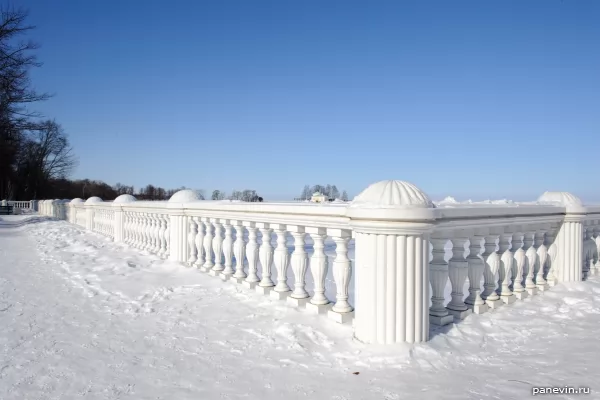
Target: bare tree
(16, 92)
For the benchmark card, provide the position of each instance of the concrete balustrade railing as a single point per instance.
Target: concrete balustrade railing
(21, 205)
(396, 287)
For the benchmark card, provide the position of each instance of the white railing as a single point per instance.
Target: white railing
(406, 267)
(21, 205)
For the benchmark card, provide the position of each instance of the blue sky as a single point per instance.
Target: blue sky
(475, 99)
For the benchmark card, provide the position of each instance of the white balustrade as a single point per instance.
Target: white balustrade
(386, 287)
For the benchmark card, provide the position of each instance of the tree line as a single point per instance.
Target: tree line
(330, 191)
(242, 195)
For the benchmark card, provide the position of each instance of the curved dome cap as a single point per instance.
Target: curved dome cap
(93, 199)
(184, 196)
(76, 201)
(562, 198)
(392, 194)
(124, 198)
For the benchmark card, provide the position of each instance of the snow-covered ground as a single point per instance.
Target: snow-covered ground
(82, 317)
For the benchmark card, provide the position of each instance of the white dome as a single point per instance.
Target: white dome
(124, 198)
(562, 198)
(76, 201)
(93, 199)
(392, 194)
(184, 196)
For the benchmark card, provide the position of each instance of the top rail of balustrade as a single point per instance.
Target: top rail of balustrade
(334, 215)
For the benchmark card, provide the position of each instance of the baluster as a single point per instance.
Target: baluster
(161, 236)
(438, 277)
(458, 269)
(475, 273)
(531, 254)
(550, 276)
(167, 220)
(200, 252)
(490, 270)
(151, 233)
(228, 251)
(125, 227)
(596, 236)
(318, 265)
(144, 228)
(299, 262)
(342, 272)
(519, 259)
(192, 242)
(504, 272)
(587, 251)
(252, 256)
(136, 230)
(266, 259)
(239, 249)
(217, 248)
(282, 262)
(208, 249)
(542, 256)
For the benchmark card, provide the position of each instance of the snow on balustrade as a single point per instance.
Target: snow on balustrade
(411, 263)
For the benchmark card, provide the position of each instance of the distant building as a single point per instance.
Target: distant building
(318, 197)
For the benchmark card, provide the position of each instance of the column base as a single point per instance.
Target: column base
(494, 304)
(296, 302)
(551, 283)
(532, 291)
(341, 318)
(224, 277)
(543, 288)
(459, 314)
(205, 269)
(263, 289)
(478, 308)
(508, 299)
(239, 281)
(441, 321)
(279, 295)
(521, 295)
(318, 308)
(212, 272)
(249, 285)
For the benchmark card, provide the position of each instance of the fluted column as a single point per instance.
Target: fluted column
(199, 243)
(208, 245)
(505, 270)
(282, 260)
(299, 262)
(476, 266)
(570, 249)
(178, 237)
(228, 251)
(265, 255)
(438, 277)
(319, 303)
(458, 268)
(531, 259)
(217, 245)
(252, 250)
(192, 242)
(392, 290)
(239, 250)
(519, 260)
